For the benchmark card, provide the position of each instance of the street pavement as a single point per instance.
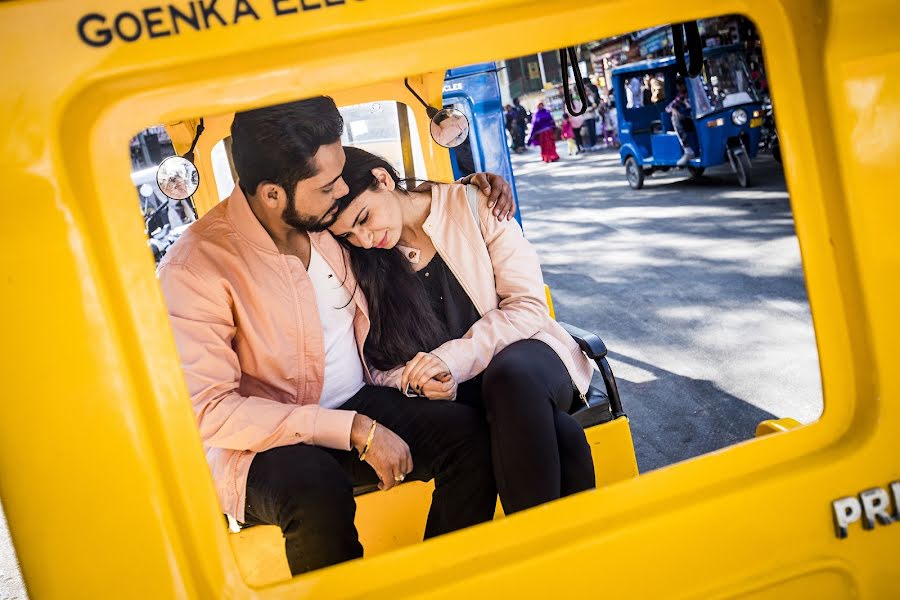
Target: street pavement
(11, 586)
(696, 287)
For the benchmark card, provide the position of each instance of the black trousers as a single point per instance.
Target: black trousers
(578, 141)
(538, 450)
(308, 491)
(591, 125)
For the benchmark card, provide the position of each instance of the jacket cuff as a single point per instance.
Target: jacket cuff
(332, 428)
(447, 356)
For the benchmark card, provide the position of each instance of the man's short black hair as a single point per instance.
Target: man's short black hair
(277, 143)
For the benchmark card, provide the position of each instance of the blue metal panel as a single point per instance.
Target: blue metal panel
(666, 149)
(475, 90)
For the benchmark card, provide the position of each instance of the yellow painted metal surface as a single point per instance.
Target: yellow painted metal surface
(549, 301)
(776, 426)
(101, 472)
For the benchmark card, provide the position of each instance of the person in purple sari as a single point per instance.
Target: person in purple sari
(543, 129)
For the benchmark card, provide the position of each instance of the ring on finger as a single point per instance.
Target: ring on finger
(399, 478)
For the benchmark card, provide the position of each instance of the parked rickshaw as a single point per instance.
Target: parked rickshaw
(724, 124)
(102, 475)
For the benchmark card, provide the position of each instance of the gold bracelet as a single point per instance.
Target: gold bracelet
(368, 440)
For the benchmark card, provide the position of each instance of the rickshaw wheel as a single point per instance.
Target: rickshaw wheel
(696, 172)
(634, 173)
(742, 169)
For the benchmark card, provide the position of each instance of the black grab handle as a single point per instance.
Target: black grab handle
(688, 30)
(565, 56)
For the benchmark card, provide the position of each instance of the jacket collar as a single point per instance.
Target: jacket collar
(245, 222)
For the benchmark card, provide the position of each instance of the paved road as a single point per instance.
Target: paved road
(695, 286)
(11, 587)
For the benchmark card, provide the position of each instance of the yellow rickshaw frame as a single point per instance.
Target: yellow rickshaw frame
(101, 471)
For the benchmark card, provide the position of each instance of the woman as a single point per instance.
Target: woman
(542, 134)
(458, 311)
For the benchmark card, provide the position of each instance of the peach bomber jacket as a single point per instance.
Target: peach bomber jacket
(248, 333)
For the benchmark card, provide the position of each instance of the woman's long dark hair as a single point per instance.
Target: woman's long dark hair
(403, 322)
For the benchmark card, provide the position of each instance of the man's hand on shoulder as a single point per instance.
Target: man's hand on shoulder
(498, 191)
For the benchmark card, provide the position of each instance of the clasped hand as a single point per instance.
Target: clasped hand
(428, 375)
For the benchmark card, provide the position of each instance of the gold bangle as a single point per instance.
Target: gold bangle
(368, 440)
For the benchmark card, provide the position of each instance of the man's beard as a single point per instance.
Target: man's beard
(293, 218)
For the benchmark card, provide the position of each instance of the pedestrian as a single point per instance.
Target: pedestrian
(543, 129)
(590, 121)
(522, 117)
(568, 134)
(577, 131)
(509, 115)
(611, 124)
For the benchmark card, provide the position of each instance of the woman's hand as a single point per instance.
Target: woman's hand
(499, 194)
(442, 387)
(420, 369)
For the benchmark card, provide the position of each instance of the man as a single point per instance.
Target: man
(522, 117)
(680, 111)
(270, 328)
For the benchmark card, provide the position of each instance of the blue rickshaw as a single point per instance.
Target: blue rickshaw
(723, 124)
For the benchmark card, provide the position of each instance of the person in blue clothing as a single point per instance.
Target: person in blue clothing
(680, 111)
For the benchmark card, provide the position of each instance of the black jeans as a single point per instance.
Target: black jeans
(591, 125)
(577, 136)
(308, 491)
(538, 450)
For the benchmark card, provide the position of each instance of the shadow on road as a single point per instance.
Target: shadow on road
(668, 428)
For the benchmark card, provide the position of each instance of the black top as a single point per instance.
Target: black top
(449, 300)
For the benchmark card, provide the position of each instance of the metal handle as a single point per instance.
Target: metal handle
(688, 30)
(565, 55)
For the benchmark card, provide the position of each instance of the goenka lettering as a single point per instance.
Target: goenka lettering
(99, 30)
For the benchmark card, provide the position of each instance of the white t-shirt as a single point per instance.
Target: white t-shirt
(343, 368)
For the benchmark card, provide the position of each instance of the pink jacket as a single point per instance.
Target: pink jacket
(500, 272)
(251, 344)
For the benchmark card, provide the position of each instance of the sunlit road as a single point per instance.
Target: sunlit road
(696, 287)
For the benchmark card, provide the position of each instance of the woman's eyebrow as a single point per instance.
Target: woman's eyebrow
(358, 215)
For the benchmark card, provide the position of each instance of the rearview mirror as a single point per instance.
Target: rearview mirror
(449, 128)
(177, 178)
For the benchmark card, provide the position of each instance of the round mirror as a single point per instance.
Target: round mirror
(449, 128)
(177, 178)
